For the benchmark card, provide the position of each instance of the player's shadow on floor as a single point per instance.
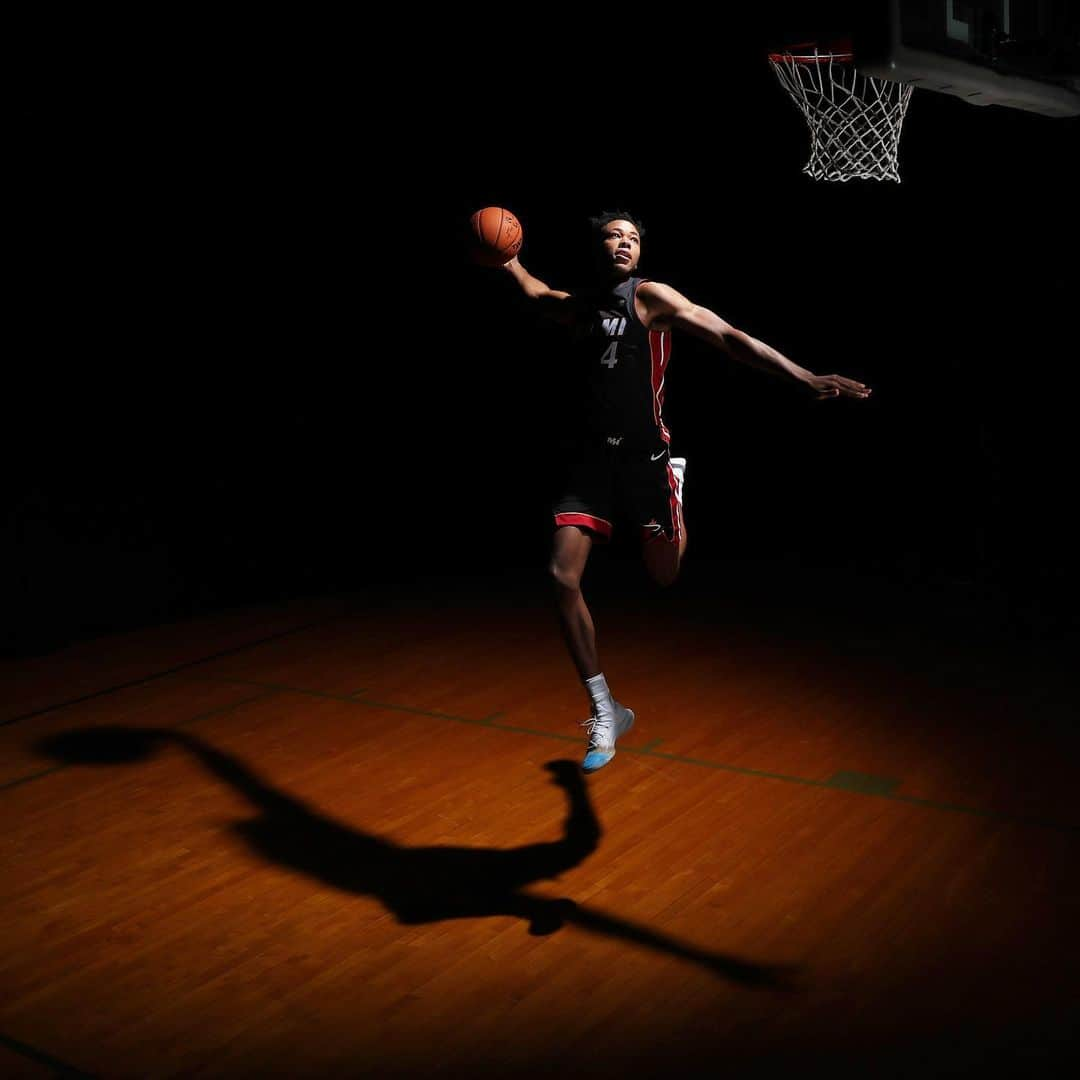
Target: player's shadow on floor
(418, 884)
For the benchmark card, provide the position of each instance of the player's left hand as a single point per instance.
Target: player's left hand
(830, 386)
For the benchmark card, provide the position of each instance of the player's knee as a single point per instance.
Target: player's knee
(662, 560)
(565, 577)
(664, 575)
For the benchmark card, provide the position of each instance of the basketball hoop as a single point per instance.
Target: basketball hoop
(854, 119)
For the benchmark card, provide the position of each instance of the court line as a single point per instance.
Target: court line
(170, 671)
(869, 787)
(60, 1068)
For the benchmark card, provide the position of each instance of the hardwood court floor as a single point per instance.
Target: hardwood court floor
(328, 839)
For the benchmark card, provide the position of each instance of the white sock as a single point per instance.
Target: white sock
(600, 694)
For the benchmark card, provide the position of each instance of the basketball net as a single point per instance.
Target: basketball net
(854, 119)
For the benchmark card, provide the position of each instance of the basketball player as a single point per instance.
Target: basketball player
(622, 329)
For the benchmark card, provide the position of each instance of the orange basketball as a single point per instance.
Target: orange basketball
(498, 235)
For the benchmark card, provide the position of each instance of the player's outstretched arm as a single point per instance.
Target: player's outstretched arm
(552, 302)
(662, 308)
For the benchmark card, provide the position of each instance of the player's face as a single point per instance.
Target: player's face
(622, 247)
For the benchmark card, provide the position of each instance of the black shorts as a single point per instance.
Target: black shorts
(614, 478)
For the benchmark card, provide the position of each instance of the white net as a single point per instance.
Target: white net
(854, 119)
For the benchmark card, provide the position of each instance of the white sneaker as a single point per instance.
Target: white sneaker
(603, 731)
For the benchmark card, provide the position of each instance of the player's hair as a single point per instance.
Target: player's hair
(605, 217)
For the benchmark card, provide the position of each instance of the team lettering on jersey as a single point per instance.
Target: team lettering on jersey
(614, 326)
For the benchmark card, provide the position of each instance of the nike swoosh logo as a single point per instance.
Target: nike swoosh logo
(657, 457)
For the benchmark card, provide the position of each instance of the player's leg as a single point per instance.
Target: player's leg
(583, 515)
(569, 554)
(660, 491)
(663, 558)
(608, 718)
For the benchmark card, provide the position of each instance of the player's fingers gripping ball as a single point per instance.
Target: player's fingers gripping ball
(497, 234)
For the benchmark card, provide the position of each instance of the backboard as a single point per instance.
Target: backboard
(1021, 54)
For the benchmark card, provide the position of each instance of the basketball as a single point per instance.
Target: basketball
(498, 236)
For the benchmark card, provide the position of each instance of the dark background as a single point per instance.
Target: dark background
(251, 360)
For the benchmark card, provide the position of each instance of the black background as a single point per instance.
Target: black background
(250, 358)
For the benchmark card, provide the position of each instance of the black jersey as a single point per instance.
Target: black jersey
(623, 366)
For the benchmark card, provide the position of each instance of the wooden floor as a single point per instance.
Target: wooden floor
(335, 838)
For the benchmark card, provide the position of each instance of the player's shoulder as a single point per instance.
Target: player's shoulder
(657, 304)
(652, 287)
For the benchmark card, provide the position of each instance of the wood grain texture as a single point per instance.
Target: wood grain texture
(340, 851)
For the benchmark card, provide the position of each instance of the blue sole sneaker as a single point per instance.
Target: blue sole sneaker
(602, 736)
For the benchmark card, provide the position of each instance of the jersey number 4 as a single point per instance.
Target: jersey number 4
(609, 359)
